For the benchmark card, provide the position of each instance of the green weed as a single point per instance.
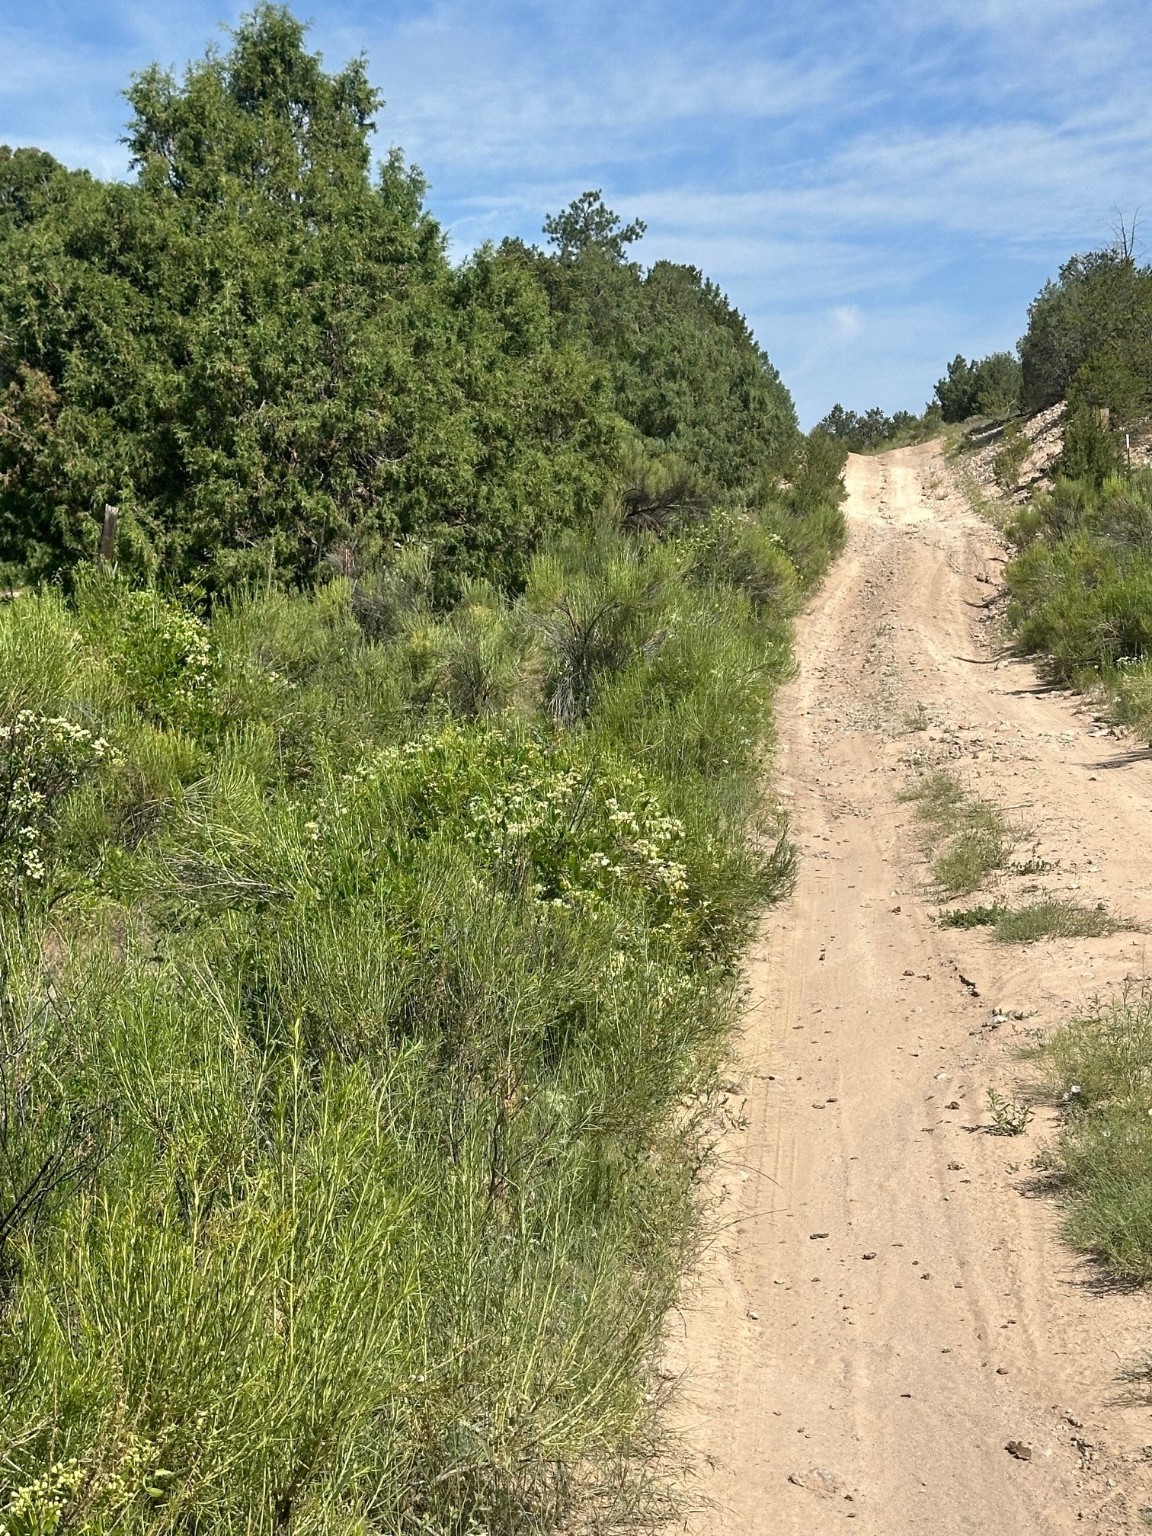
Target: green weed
(972, 836)
(1052, 919)
(1010, 1117)
(1100, 1070)
(1047, 919)
(973, 917)
(971, 856)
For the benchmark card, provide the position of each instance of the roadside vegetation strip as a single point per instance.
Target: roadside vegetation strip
(1100, 1073)
(1079, 602)
(351, 989)
(372, 911)
(1046, 919)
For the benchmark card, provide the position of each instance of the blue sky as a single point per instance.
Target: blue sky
(876, 185)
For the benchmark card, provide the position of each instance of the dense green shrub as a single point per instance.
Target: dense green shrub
(260, 353)
(1089, 336)
(1081, 588)
(686, 372)
(988, 386)
(1091, 452)
(356, 990)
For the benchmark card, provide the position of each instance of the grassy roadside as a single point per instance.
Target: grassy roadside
(1100, 1071)
(359, 962)
(1080, 602)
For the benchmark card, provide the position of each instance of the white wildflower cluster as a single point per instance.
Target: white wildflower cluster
(42, 757)
(536, 805)
(37, 1508)
(166, 655)
(181, 639)
(585, 840)
(106, 1486)
(650, 838)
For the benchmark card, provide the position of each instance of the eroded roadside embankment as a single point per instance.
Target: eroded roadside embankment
(889, 1301)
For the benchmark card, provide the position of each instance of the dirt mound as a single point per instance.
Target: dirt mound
(1045, 435)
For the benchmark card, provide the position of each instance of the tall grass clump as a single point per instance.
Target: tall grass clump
(361, 964)
(1100, 1069)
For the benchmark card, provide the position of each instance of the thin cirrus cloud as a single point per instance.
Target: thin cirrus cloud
(877, 184)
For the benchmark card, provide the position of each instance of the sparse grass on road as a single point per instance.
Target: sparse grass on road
(1048, 919)
(969, 836)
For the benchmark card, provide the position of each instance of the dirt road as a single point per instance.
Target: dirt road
(889, 1302)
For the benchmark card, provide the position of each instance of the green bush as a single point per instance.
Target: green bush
(260, 353)
(1081, 587)
(348, 1177)
(1090, 450)
(988, 386)
(1100, 1070)
(1088, 336)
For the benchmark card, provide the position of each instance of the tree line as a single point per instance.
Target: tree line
(1088, 342)
(258, 350)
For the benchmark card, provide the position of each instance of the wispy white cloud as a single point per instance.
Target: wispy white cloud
(847, 321)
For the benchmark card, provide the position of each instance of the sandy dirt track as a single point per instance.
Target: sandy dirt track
(888, 1301)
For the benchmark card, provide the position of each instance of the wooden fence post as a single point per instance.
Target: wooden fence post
(108, 534)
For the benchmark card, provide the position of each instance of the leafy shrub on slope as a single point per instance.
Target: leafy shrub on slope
(350, 1023)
